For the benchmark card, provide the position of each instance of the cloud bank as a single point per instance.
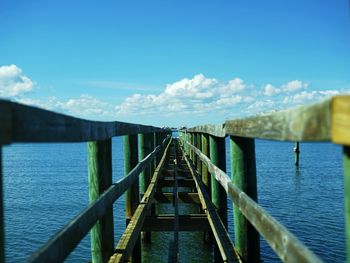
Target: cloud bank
(198, 99)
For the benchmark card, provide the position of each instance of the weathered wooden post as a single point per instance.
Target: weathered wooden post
(199, 146)
(218, 194)
(100, 178)
(194, 143)
(243, 173)
(191, 142)
(146, 147)
(2, 232)
(132, 194)
(205, 173)
(296, 154)
(346, 164)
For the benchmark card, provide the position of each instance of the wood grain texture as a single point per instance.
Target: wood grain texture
(328, 120)
(61, 244)
(5, 122)
(21, 123)
(215, 130)
(286, 246)
(341, 120)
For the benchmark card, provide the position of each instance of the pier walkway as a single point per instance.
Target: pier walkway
(190, 169)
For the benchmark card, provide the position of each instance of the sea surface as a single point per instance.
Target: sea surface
(46, 185)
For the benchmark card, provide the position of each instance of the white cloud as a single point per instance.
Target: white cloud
(84, 106)
(13, 82)
(270, 90)
(197, 98)
(294, 85)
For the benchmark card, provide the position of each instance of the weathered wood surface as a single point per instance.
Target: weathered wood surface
(5, 123)
(328, 120)
(341, 120)
(225, 245)
(127, 242)
(215, 130)
(346, 165)
(2, 228)
(100, 179)
(243, 176)
(59, 247)
(287, 247)
(21, 123)
(132, 194)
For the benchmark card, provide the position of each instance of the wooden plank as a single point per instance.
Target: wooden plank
(215, 130)
(21, 123)
(341, 120)
(287, 247)
(61, 244)
(322, 121)
(220, 233)
(132, 194)
(130, 236)
(187, 223)
(100, 179)
(5, 122)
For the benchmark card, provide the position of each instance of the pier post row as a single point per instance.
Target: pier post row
(161, 168)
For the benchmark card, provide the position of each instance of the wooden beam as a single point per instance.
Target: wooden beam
(165, 223)
(327, 120)
(341, 120)
(129, 238)
(22, 123)
(2, 228)
(100, 179)
(5, 122)
(132, 194)
(243, 176)
(284, 243)
(61, 244)
(346, 165)
(220, 233)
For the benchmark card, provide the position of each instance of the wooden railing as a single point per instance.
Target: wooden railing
(20, 123)
(328, 120)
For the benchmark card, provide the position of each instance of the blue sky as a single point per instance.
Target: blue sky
(173, 62)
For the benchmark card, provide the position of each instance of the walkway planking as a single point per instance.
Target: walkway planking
(174, 171)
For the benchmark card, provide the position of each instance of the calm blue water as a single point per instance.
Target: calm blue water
(46, 186)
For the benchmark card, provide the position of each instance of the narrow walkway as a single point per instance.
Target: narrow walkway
(176, 172)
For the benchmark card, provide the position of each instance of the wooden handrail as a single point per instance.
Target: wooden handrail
(21, 123)
(63, 243)
(328, 120)
(283, 242)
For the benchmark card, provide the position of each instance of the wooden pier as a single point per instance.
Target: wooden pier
(190, 169)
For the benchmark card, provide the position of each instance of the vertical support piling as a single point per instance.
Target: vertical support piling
(191, 142)
(100, 178)
(194, 143)
(132, 194)
(296, 154)
(205, 172)
(218, 194)
(199, 146)
(243, 173)
(2, 222)
(346, 165)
